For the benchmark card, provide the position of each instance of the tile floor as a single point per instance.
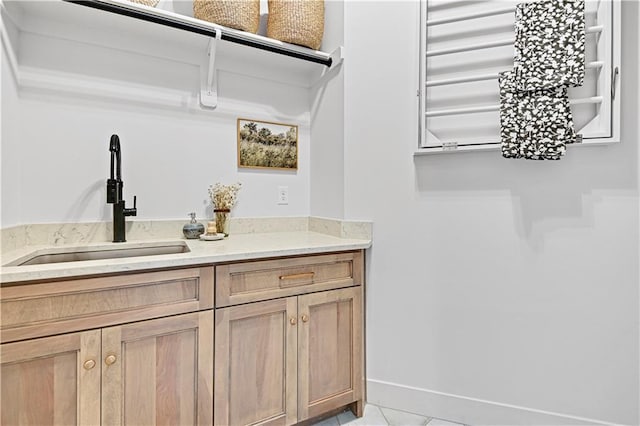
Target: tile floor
(380, 416)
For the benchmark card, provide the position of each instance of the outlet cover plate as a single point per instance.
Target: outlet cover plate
(283, 195)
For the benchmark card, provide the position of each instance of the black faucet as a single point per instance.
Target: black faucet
(114, 193)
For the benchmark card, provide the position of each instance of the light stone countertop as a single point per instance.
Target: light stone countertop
(236, 247)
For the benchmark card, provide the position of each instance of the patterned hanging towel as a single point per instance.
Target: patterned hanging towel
(535, 125)
(535, 117)
(549, 46)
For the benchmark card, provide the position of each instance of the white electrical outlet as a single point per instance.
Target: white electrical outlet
(283, 195)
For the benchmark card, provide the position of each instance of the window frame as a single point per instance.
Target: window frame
(608, 86)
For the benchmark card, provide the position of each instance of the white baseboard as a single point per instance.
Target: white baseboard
(465, 410)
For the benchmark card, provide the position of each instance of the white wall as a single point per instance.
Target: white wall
(10, 149)
(76, 92)
(327, 125)
(499, 292)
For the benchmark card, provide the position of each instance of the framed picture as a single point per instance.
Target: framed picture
(267, 145)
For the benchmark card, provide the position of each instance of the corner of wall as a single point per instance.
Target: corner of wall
(10, 167)
(327, 126)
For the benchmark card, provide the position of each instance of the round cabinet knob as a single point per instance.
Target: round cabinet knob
(89, 364)
(292, 321)
(304, 318)
(110, 359)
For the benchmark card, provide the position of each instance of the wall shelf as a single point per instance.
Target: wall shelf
(199, 26)
(84, 32)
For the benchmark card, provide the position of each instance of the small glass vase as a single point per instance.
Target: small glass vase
(222, 221)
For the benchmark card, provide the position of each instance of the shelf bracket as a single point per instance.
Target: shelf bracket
(337, 56)
(209, 90)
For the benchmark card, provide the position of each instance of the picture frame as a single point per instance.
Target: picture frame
(267, 145)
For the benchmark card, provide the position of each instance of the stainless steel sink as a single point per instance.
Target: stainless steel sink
(97, 253)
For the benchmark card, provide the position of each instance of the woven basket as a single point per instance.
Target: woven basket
(239, 14)
(151, 3)
(296, 21)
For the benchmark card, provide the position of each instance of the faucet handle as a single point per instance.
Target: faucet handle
(132, 211)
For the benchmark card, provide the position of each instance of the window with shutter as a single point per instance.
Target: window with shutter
(465, 44)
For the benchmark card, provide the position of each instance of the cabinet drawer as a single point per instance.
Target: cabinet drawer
(34, 310)
(238, 283)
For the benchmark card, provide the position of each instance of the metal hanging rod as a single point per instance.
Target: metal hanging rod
(496, 43)
(490, 76)
(186, 23)
(490, 108)
(502, 11)
(470, 47)
(470, 16)
(596, 29)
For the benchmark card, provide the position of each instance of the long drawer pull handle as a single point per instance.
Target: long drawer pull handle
(297, 276)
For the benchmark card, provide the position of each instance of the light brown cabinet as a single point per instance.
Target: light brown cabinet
(256, 363)
(159, 372)
(329, 351)
(155, 371)
(254, 281)
(289, 359)
(51, 380)
(43, 309)
(151, 372)
(138, 349)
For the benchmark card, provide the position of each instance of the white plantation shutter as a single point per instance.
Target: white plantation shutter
(465, 44)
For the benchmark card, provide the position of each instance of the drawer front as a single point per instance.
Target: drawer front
(34, 310)
(238, 283)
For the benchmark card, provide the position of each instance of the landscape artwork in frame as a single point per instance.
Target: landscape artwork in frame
(267, 145)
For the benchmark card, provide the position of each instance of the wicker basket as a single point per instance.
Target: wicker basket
(151, 3)
(239, 14)
(296, 21)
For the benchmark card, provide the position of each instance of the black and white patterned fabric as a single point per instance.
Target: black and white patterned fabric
(535, 118)
(535, 125)
(550, 42)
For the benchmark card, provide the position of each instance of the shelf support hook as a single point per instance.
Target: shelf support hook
(209, 93)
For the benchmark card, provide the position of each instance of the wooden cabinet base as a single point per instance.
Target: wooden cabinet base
(52, 380)
(291, 359)
(159, 371)
(151, 372)
(357, 408)
(329, 351)
(256, 366)
(139, 348)
(44, 309)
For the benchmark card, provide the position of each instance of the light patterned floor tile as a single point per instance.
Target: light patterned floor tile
(372, 417)
(378, 416)
(440, 422)
(402, 418)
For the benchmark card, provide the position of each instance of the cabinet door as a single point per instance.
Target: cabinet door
(52, 380)
(330, 351)
(255, 361)
(159, 371)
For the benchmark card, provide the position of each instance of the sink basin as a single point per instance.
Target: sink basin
(62, 255)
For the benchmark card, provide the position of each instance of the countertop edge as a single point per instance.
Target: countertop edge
(202, 253)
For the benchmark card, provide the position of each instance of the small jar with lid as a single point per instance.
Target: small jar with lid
(193, 229)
